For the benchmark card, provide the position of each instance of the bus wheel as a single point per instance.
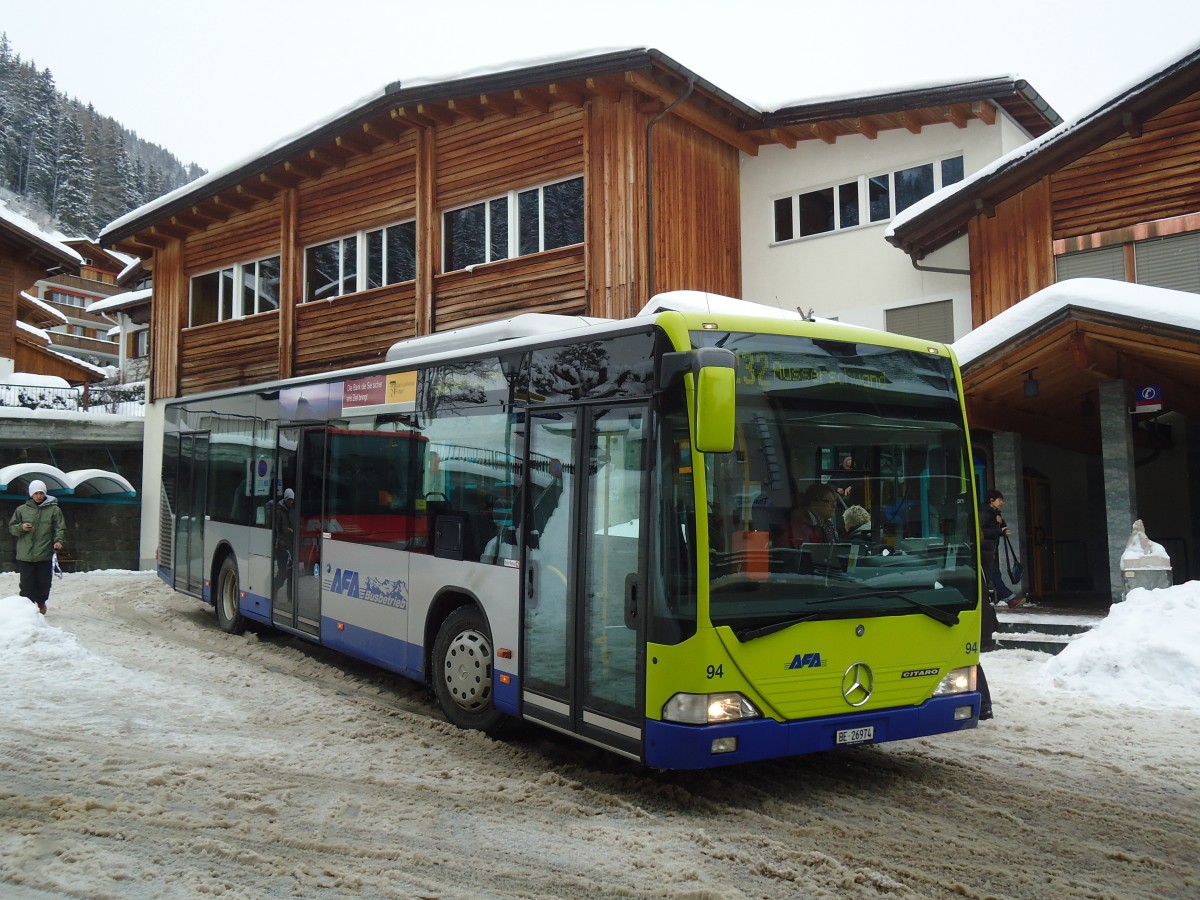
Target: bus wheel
(462, 674)
(227, 600)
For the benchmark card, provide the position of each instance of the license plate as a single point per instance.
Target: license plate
(856, 735)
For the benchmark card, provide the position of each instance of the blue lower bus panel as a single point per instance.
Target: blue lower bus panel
(674, 746)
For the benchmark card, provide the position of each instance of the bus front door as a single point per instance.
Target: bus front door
(296, 530)
(191, 496)
(585, 544)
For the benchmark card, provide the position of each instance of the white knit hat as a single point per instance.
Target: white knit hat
(35, 486)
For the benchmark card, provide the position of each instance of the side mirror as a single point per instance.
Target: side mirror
(715, 379)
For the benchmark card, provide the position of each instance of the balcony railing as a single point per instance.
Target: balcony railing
(121, 399)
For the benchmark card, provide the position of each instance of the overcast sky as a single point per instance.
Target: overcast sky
(218, 80)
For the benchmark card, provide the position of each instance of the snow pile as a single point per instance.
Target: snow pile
(1146, 653)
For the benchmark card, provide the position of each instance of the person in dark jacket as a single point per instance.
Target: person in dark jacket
(992, 529)
(40, 529)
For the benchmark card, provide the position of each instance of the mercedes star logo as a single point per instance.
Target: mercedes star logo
(858, 683)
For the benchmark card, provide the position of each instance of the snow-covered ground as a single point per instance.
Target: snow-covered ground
(144, 753)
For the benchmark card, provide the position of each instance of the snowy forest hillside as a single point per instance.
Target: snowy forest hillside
(70, 164)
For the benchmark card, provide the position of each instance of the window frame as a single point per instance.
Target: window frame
(232, 307)
(514, 238)
(861, 187)
(360, 275)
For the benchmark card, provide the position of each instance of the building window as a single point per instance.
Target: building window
(215, 296)
(1106, 262)
(929, 321)
(545, 217)
(62, 298)
(866, 199)
(359, 262)
(141, 343)
(1171, 262)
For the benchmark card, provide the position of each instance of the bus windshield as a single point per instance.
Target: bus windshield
(848, 492)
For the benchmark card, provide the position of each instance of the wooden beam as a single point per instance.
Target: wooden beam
(568, 94)
(985, 206)
(385, 130)
(534, 98)
(783, 136)
(468, 108)
(1132, 125)
(190, 222)
(206, 215)
(438, 112)
(868, 127)
(610, 87)
(985, 111)
(825, 133)
(134, 246)
(331, 156)
(412, 118)
(280, 179)
(911, 122)
(690, 113)
(501, 103)
(167, 230)
(232, 200)
(304, 167)
(356, 142)
(959, 114)
(256, 190)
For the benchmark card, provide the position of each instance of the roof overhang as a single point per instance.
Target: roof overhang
(944, 217)
(1070, 346)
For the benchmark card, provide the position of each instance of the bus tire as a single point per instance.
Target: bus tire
(463, 670)
(227, 598)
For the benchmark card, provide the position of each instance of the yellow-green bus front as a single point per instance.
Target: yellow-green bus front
(764, 642)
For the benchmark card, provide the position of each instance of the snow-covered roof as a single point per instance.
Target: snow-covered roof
(32, 234)
(1063, 143)
(1136, 302)
(36, 332)
(44, 306)
(121, 301)
(438, 88)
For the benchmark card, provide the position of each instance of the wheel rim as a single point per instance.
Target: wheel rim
(228, 596)
(468, 670)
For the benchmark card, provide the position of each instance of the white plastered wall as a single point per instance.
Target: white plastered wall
(855, 275)
(152, 448)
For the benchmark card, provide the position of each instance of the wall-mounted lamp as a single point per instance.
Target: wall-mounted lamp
(1087, 408)
(1031, 384)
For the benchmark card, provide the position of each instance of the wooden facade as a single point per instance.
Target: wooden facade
(1132, 187)
(415, 160)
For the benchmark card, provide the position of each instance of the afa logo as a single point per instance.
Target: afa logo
(345, 582)
(806, 661)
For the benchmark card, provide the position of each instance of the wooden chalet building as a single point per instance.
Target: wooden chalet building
(27, 256)
(1113, 195)
(582, 186)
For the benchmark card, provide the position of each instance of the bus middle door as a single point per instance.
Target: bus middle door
(296, 537)
(582, 654)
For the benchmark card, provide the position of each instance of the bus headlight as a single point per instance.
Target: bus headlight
(957, 681)
(706, 709)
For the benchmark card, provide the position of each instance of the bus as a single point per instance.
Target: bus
(582, 523)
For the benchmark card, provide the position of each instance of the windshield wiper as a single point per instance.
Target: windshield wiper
(947, 618)
(749, 634)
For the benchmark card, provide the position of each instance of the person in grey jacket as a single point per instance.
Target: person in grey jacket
(40, 529)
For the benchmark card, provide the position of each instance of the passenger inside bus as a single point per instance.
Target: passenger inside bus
(811, 521)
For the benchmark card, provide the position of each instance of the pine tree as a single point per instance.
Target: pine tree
(75, 178)
(61, 156)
